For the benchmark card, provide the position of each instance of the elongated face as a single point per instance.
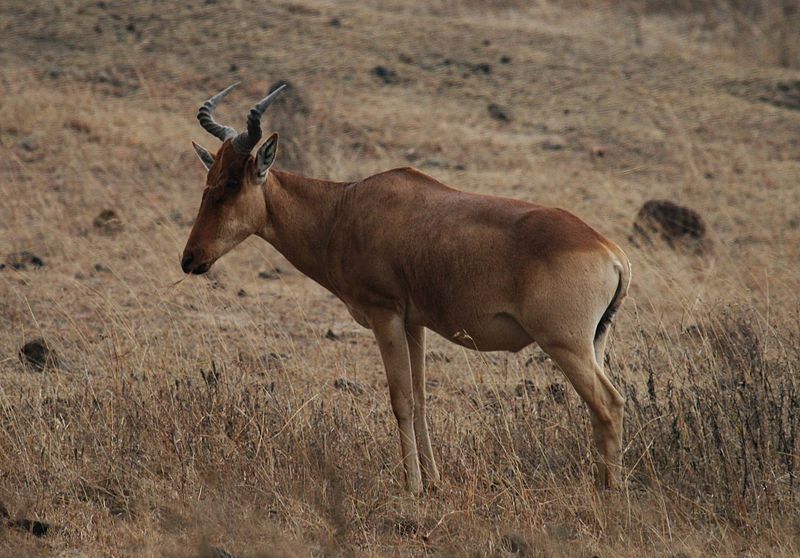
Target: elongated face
(233, 207)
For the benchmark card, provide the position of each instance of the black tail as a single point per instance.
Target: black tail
(605, 320)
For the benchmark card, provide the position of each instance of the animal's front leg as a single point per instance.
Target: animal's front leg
(389, 330)
(416, 348)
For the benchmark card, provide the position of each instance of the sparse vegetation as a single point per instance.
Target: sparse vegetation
(244, 412)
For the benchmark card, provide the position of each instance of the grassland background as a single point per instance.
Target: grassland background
(202, 411)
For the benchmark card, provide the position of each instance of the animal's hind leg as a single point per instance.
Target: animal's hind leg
(600, 349)
(606, 405)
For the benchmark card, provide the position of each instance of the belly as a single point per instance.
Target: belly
(486, 332)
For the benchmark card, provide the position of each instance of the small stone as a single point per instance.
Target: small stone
(108, 222)
(350, 386)
(527, 386)
(388, 76)
(505, 59)
(482, 68)
(331, 335)
(554, 143)
(29, 144)
(558, 392)
(21, 260)
(498, 113)
(241, 293)
(100, 268)
(335, 22)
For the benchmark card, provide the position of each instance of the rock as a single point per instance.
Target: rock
(558, 392)
(22, 260)
(505, 59)
(108, 222)
(100, 268)
(482, 68)
(241, 293)
(38, 354)
(553, 143)
(335, 22)
(332, 336)
(29, 144)
(388, 76)
(350, 386)
(678, 226)
(528, 386)
(35, 528)
(498, 113)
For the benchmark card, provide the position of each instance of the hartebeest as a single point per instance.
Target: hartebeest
(404, 252)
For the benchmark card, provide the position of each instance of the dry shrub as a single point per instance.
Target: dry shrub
(721, 429)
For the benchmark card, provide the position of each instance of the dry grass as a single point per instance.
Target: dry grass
(197, 412)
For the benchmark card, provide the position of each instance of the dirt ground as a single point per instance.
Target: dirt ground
(179, 416)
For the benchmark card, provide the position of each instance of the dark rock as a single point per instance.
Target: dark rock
(108, 222)
(505, 59)
(100, 268)
(434, 164)
(350, 386)
(528, 386)
(678, 226)
(388, 76)
(38, 354)
(335, 22)
(267, 275)
(498, 113)
(29, 144)
(558, 392)
(22, 260)
(515, 544)
(332, 336)
(35, 528)
(482, 68)
(241, 293)
(554, 143)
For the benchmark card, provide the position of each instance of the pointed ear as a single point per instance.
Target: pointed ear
(266, 156)
(205, 155)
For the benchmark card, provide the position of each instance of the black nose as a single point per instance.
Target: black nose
(186, 263)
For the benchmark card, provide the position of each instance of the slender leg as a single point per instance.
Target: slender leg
(605, 404)
(389, 330)
(416, 348)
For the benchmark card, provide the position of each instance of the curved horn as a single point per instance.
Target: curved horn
(206, 118)
(246, 141)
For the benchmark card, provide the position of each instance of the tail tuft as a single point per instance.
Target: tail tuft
(605, 319)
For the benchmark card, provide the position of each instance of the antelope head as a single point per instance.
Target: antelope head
(233, 205)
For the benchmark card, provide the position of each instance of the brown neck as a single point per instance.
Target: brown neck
(300, 215)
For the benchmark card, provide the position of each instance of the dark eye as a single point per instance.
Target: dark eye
(232, 184)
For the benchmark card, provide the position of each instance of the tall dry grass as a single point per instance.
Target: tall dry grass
(202, 412)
